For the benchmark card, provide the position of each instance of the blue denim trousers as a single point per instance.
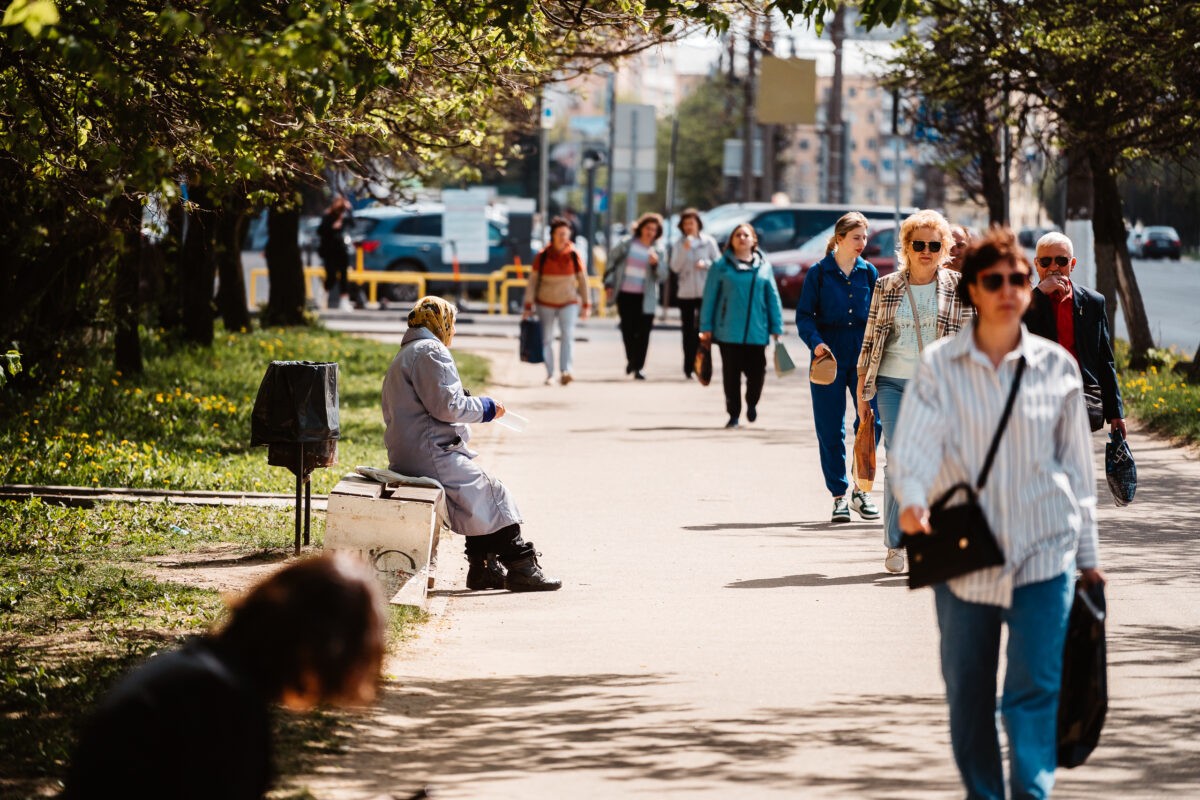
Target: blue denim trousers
(888, 394)
(566, 317)
(1037, 626)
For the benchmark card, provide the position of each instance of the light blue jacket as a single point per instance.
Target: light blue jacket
(741, 302)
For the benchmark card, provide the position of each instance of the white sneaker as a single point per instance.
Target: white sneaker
(894, 562)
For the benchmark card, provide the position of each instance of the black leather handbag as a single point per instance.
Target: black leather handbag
(531, 341)
(1083, 699)
(961, 540)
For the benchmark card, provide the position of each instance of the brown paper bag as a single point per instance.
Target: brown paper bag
(823, 370)
(864, 452)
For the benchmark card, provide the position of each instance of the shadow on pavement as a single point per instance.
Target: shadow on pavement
(885, 579)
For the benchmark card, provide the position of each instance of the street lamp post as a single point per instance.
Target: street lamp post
(591, 160)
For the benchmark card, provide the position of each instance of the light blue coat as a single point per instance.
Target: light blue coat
(425, 409)
(741, 302)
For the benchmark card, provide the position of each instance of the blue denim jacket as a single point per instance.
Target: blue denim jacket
(831, 301)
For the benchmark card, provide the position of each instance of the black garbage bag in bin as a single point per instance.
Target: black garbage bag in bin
(297, 403)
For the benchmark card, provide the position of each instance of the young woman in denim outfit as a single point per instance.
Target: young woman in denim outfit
(831, 317)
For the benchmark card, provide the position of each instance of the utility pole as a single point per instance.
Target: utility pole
(612, 141)
(768, 131)
(748, 115)
(837, 132)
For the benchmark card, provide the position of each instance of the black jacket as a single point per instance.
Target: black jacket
(1093, 345)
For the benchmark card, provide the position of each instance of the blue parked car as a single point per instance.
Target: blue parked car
(409, 239)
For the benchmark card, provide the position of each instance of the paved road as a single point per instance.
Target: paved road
(715, 636)
(1171, 293)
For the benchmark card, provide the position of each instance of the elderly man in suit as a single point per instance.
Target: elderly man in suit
(1074, 317)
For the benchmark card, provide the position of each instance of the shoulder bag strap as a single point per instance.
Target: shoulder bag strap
(916, 318)
(1012, 397)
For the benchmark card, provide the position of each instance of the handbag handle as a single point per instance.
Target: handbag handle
(916, 317)
(1012, 397)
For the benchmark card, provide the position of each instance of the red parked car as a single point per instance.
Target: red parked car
(792, 265)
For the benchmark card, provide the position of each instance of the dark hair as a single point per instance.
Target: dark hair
(559, 222)
(321, 617)
(646, 219)
(694, 214)
(998, 246)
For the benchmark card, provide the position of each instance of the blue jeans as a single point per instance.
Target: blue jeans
(829, 414)
(1037, 626)
(566, 317)
(888, 394)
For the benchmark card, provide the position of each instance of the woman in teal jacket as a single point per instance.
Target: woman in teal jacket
(742, 311)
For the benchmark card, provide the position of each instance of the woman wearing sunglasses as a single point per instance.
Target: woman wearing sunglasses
(1039, 501)
(910, 309)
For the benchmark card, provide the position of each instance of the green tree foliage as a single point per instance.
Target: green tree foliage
(707, 117)
(1111, 80)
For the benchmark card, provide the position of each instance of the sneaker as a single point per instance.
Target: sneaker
(565, 378)
(638, 376)
(860, 501)
(751, 413)
(549, 381)
(733, 422)
(894, 562)
(841, 511)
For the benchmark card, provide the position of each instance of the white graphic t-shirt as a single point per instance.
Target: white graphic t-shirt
(901, 355)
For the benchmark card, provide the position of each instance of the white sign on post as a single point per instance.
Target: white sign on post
(465, 226)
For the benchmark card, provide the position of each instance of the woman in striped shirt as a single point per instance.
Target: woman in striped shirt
(1039, 500)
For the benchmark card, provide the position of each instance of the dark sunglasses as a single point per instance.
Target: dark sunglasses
(1046, 261)
(994, 280)
(919, 247)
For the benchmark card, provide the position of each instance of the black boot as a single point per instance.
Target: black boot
(485, 573)
(525, 575)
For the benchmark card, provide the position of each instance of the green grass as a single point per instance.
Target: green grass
(76, 608)
(1160, 395)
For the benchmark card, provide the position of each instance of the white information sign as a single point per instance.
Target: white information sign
(465, 226)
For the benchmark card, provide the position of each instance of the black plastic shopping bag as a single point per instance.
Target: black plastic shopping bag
(1083, 699)
(297, 402)
(531, 341)
(1120, 469)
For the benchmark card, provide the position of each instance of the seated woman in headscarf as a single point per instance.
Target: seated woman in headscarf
(425, 409)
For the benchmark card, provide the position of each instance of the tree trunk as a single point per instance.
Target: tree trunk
(285, 269)
(231, 292)
(1193, 371)
(127, 215)
(1112, 253)
(164, 263)
(198, 268)
(992, 186)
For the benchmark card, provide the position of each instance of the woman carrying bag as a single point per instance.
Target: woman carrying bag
(910, 309)
(831, 317)
(558, 292)
(1037, 495)
(690, 260)
(741, 311)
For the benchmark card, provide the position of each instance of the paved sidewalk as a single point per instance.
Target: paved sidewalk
(715, 636)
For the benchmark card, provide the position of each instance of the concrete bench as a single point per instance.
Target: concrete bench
(392, 527)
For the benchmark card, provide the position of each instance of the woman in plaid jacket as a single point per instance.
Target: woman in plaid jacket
(910, 308)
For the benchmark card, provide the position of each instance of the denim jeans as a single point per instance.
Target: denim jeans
(566, 317)
(888, 394)
(1037, 626)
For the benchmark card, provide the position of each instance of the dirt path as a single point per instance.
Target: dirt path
(715, 637)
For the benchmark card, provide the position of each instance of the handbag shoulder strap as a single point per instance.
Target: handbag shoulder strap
(916, 317)
(1012, 397)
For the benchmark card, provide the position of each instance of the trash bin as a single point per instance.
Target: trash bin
(296, 416)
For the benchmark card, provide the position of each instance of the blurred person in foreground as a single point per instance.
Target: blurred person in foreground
(1039, 500)
(635, 267)
(558, 293)
(426, 411)
(690, 261)
(1074, 316)
(910, 309)
(831, 318)
(196, 722)
(742, 313)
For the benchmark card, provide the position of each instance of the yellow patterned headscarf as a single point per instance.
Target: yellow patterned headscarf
(435, 315)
